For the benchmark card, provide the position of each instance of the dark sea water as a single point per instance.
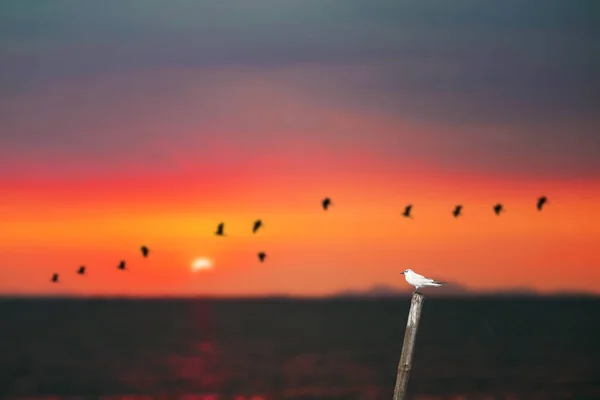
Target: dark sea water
(297, 349)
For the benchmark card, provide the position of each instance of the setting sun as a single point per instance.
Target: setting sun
(201, 264)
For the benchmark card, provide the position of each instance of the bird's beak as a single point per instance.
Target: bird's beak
(402, 272)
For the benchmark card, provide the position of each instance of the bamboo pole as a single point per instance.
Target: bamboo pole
(408, 347)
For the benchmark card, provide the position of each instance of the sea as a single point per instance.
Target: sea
(282, 348)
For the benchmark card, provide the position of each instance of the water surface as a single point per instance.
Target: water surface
(481, 348)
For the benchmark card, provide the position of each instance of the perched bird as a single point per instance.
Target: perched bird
(498, 209)
(262, 256)
(121, 265)
(419, 281)
(457, 210)
(407, 211)
(326, 203)
(144, 251)
(81, 270)
(55, 278)
(257, 225)
(220, 228)
(541, 201)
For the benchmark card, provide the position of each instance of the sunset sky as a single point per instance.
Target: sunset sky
(136, 122)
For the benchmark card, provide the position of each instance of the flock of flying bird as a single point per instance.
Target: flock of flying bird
(325, 203)
(122, 265)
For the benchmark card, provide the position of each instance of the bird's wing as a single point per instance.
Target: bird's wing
(420, 279)
(419, 276)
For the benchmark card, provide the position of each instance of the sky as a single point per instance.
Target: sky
(136, 122)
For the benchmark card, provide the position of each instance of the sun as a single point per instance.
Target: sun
(201, 264)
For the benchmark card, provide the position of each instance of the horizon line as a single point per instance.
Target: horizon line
(404, 295)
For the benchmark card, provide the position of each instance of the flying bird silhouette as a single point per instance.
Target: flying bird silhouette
(220, 228)
(457, 210)
(326, 202)
(144, 251)
(498, 208)
(81, 270)
(541, 201)
(121, 265)
(257, 225)
(407, 211)
(262, 256)
(55, 278)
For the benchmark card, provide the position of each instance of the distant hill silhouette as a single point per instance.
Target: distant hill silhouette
(451, 289)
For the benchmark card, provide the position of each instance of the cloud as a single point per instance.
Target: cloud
(506, 88)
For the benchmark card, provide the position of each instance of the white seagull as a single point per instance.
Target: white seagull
(419, 281)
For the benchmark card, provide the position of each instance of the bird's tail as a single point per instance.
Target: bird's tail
(438, 283)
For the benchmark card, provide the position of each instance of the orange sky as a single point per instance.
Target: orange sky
(360, 242)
